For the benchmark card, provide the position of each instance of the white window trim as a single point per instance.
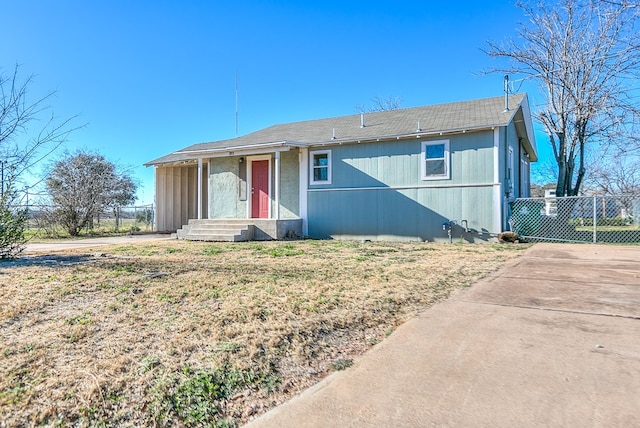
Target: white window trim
(311, 167)
(447, 160)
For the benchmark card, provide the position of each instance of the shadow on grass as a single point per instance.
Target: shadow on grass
(47, 260)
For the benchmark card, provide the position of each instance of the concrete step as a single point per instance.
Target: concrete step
(236, 221)
(240, 232)
(217, 226)
(216, 230)
(217, 237)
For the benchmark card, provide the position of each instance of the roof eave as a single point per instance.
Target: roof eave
(524, 128)
(242, 150)
(421, 134)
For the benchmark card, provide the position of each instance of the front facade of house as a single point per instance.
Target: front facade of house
(397, 175)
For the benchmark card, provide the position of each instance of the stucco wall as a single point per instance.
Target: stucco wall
(289, 185)
(224, 200)
(225, 181)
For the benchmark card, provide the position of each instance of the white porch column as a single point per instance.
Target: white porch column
(199, 188)
(277, 186)
(303, 158)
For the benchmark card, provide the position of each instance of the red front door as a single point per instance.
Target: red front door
(260, 189)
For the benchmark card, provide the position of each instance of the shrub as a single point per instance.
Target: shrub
(12, 225)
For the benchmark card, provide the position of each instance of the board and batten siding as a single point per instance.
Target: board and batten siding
(176, 196)
(377, 191)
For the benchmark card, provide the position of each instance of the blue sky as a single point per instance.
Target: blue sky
(151, 77)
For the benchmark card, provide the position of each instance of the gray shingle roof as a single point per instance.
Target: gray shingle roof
(441, 118)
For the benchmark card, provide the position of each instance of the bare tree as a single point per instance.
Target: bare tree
(29, 132)
(381, 104)
(617, 175)
(585, 56)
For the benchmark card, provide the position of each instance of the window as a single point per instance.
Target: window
(435, 160)
(321, 167)
(524, 177)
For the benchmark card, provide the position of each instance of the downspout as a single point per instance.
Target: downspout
(507, 185)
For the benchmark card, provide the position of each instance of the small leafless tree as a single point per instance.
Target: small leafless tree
(585, 56)
(619, 175)
(381, 104)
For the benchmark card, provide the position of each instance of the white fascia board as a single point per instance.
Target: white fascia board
(237, 152)
(273, 146)
(531, 136)
(412, 135)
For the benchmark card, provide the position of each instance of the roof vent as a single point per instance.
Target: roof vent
(334, 134)
(419, 129)
(362, 120)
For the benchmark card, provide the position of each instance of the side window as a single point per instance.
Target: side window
(435, 160)
(320, 167)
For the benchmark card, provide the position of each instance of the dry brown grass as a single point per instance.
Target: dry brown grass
(182, 333)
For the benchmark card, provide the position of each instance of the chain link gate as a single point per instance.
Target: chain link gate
(595, 219)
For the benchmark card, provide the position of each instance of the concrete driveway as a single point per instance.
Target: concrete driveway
(69, 244)
(552, 339)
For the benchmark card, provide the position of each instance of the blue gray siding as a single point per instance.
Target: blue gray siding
(377, 191)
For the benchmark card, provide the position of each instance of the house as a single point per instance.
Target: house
(412, 174)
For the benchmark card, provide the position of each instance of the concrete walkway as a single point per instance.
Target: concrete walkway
(552, 339)
(69, 244)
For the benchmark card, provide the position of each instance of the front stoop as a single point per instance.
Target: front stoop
(216, 230)
(236, 230)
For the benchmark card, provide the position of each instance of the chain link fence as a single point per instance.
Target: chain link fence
(134, 219)
(595, 219)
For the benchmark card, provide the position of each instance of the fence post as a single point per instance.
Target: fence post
(595, 215)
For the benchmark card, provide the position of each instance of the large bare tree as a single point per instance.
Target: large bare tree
(585, 56)
(29, 132)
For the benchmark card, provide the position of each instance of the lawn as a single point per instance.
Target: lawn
(180, 333)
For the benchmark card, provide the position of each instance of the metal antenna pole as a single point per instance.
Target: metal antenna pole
(236, 103)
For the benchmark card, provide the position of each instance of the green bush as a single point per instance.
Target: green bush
(609, 221)
(12, 226)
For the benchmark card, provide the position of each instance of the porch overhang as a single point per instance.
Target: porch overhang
(188, 156)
